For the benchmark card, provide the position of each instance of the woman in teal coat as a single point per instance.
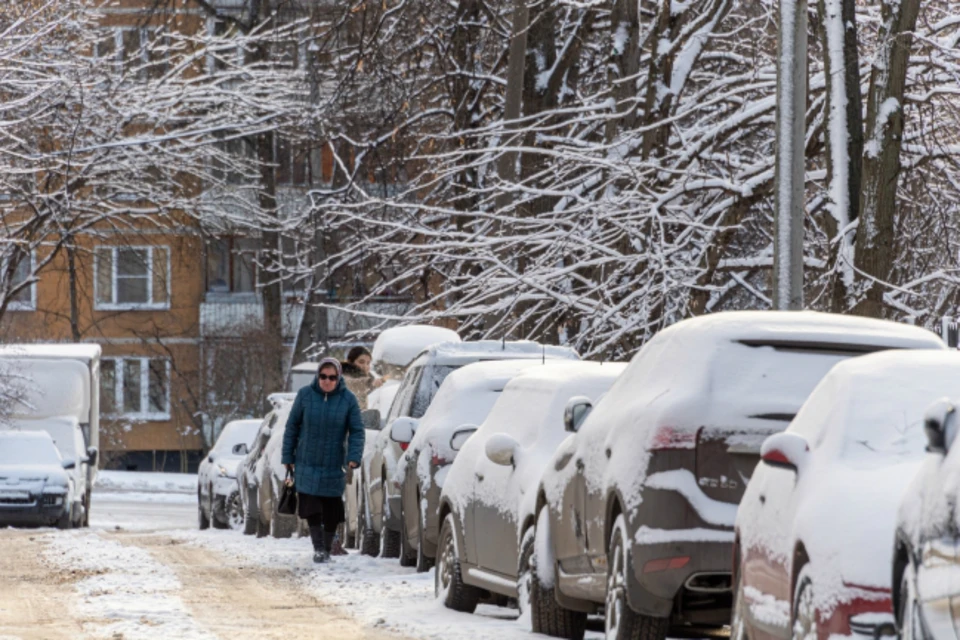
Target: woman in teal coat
(323, 434)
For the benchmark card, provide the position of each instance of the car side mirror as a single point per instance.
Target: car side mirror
(69, 464)
(937, 422)
(210, 458)
(460, 437)
(785, 451)
(402, 430)
(501, 449)
(575, 412)
(240, 449)
(93, 454)
(371, 419)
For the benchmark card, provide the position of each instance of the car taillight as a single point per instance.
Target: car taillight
(404, 446)
(671, 439)
(662, 564)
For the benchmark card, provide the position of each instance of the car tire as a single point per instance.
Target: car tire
(911, 624)
(620, 621)
(804, 618)
(233, 508)
(424, 563)
(202, 520)
(390, 543)
(408, 555)
(251, 516)
(546, 615)
(448, 583)
(369, 540)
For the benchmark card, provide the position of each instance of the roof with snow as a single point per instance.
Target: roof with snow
(400, 345)
(454, 353)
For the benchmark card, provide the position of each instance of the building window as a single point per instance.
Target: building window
(26, 298)
(132, 278)
(231, 265)
(135, 387)
(294, 163)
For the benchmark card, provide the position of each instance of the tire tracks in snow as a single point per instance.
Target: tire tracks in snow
(229, 598)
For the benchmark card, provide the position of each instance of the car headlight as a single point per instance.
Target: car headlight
(223, 472)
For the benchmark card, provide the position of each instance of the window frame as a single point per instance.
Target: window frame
(17, 305)
(118, 389)
(98, 305)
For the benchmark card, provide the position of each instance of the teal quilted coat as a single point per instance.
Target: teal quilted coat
(319, 426)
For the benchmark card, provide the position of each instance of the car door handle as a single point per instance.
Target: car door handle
(480, 477)
(580, 465)
(563, 461)
(763, 499)
(609, 452)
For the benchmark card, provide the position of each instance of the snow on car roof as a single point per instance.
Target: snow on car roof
(237, 431)
(70, 350)
(400, 345)
(310, 367)
(876, 404)
(454, 353)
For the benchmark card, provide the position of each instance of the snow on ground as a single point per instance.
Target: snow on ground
(377, 593)
(144, 501)
(127, 592)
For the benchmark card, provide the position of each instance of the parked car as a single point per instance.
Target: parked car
(380, 497)
(926, 566)
(489, 497)
(247, 482)
(814, 528)
(218, 500)
(35, 488)
(269, 474)
(460, 406)
(640, 503)
(67, 436)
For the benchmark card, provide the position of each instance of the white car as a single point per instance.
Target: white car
(380, 496)
(815, 527)
(490, 495)
(218, 499)
(68, 437)
(460, 406)
(35, 487)
(270, 474)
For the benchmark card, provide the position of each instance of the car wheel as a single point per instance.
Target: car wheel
(216, 521)
(369, 540)
(202, 520)
(251, 515)
(738, 626)
(408, 555)
(390, 543)
(805, 616)
(448, 581)
(424, 563)
(546, 615)
(620, 621)
(234, 510)
(909, 615)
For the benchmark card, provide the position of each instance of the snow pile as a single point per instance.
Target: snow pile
(128, 593)
(400, 345)
(146, 482)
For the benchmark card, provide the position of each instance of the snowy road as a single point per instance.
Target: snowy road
(143, 572)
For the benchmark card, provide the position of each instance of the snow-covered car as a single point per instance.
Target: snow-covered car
(247, 482)
(926, 566)
(68, 437)
(641, 501)
(35, 487)
(270, 474)
(816, 523)
(460, 406)
(489, 498)
(218, 500)
(380, 497)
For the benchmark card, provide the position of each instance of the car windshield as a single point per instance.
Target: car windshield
(888, 418)
(236, 433)
(433, 376)
(15, 450)
(63, 434)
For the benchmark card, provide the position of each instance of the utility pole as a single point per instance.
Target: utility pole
(513, 101)
(790, 148)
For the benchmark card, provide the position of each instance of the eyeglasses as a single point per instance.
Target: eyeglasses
(324, 376)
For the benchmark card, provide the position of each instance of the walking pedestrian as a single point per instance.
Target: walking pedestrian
(324, 433)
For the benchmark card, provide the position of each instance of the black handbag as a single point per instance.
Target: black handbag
(287, 504)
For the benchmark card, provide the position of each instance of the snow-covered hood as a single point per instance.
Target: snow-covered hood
(32, 477)
(848, 528)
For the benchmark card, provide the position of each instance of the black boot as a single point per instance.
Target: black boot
(328, 538)
(318, 537)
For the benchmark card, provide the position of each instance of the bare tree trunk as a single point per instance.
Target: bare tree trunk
(272, 253)
(881, 166)
(74, 294)
(844, 136)
(625, 63)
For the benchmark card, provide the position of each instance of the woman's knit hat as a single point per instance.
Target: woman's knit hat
(331, 362)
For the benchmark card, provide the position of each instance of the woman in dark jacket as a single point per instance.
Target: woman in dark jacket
(325, 416)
